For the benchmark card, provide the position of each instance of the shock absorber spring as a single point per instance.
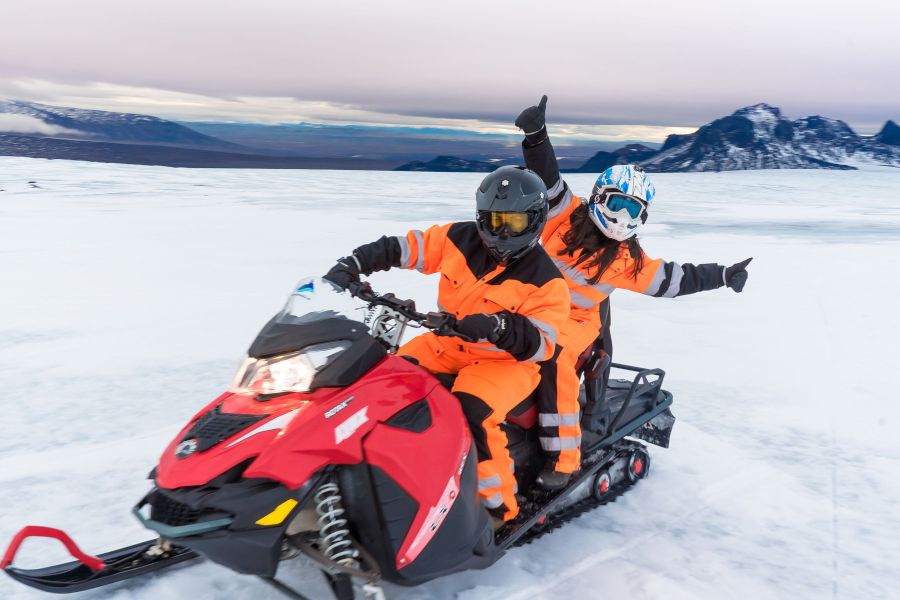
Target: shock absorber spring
(334, 535)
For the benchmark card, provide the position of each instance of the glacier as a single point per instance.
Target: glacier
(130, 293)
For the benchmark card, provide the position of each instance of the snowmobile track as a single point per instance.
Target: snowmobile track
(555, 520)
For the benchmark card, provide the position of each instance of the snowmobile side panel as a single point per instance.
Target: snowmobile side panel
(382, 513)
(464, 541)
(420, 463)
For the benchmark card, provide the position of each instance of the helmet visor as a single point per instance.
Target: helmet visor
(616, 202)
(516, 223)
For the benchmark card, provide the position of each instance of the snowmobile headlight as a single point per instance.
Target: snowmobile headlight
(293, 372)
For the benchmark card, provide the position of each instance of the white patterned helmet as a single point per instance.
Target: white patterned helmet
(619, 201)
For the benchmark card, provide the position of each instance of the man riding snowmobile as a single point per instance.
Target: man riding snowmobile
(593, 242)
(506, 303)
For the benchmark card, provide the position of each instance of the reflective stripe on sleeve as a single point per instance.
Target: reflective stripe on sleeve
(658, 278)
(548, 330)
(420, 242)
(580, 278)
(675, 283)
(404, 251)
(556, 444)
(581, 301)
(493, 501)
(557, 420)
(538, 356)
(486, 483)
(562, 204)
(556, 188)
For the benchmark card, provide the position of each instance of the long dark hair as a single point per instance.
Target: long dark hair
(597, 251)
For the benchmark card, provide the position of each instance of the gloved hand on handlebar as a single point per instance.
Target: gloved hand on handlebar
(345, 272)
(475, 328)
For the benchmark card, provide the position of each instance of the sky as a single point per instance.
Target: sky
(621, 70)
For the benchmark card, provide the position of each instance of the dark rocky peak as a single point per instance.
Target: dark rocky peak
(673, 140)
(823, 129)
(735, 130)
(889, 134)
(632, 153)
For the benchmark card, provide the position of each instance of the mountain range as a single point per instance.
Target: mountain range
(760, 137)
(39, 131)
(754, 137)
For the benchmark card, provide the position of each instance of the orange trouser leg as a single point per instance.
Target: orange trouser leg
(434, 354)
(487, 391)
(559, 413)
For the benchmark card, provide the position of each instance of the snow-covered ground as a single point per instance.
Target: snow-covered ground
(128, 295)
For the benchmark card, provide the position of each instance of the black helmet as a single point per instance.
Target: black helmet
(511, 210)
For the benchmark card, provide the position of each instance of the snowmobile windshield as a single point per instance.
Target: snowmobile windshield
(315, 299)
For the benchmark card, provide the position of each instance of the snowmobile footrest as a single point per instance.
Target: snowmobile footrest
(118, 565)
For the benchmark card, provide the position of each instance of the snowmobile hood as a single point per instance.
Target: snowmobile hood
(290, 437)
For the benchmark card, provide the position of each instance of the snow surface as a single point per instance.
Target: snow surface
(130, 293)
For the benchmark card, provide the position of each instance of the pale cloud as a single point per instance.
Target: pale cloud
(657, 62)
(10, 123)
(185, 106)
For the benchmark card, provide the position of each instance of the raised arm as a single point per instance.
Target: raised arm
(541, 158)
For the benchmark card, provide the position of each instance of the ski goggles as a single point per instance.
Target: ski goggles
(516, 223)
(615, 201)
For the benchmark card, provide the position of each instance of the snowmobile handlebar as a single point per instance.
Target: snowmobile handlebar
(441, 323)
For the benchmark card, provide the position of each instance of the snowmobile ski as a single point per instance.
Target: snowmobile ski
(88, 572)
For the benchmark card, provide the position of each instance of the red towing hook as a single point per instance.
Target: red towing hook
(88, 560)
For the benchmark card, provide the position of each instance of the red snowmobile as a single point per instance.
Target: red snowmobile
(330, 445)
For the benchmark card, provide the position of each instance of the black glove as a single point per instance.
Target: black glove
(474, 328)
(736, 275)
(345, 272)
(533, 121)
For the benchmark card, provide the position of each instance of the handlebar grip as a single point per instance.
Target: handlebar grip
(361, 290)
(437, 320)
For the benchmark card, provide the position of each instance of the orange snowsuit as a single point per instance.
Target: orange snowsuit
(490, 381)
(558, 407)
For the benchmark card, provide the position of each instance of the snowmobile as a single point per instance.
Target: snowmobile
(330, 445)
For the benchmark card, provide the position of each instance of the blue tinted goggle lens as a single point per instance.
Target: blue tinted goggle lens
(616, 202)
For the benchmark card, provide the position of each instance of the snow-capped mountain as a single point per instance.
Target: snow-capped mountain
(31, 118)
(754, 137)
(760, 137)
